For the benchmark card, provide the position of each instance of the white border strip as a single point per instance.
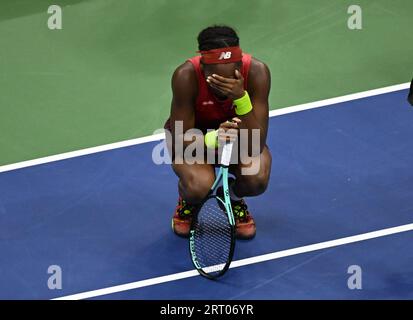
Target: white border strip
(349, 97)
(82, 152)
(243, 262)
(132, 142)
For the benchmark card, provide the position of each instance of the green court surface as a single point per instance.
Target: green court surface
(105, 76)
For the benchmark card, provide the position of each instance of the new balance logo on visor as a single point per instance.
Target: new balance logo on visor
(205, 103)
(225, 55)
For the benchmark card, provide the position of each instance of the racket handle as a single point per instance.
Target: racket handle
(226, 154)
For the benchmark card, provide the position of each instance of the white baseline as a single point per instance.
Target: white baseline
(157, 137)
(242, 262)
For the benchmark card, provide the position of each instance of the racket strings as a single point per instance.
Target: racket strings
(213, 237)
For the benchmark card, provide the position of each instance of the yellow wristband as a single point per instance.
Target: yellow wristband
(211, 139)
(243, 105)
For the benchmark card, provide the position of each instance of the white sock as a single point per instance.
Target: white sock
(232, 194)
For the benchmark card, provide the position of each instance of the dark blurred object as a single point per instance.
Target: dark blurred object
(410, 98)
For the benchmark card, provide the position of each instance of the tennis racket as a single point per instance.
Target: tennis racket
(212, 233)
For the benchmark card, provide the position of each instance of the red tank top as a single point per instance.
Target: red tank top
(209, 111)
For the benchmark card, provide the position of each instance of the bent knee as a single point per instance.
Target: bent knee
(256, 184)
(195, 188)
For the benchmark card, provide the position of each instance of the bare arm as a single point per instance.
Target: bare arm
(259, 83)
(184, 92)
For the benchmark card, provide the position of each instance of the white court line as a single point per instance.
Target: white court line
(82, 152)
(243, 262)
(349, 97)
(156, 137)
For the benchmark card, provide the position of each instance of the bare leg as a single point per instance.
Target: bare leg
(195, 180)
(253, 185)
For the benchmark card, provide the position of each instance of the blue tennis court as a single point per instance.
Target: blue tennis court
(338, 171)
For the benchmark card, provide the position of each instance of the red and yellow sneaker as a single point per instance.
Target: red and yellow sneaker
(181, 221)
(244, 222)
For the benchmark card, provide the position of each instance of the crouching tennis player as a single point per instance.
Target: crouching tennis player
(221, 89)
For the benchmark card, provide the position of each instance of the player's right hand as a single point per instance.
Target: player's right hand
(228, 130)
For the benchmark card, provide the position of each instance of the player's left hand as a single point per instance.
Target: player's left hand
(232, 88)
